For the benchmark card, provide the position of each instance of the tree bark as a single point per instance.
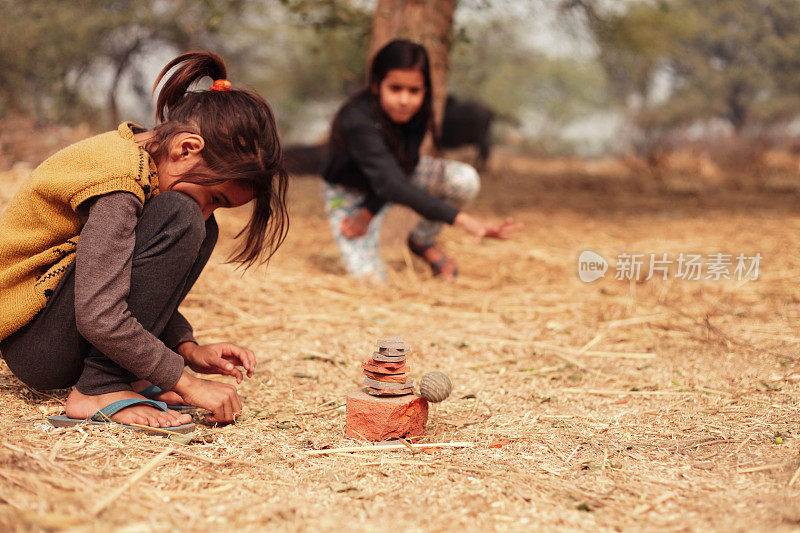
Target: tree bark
(428, 22)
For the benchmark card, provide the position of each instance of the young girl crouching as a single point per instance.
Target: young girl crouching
(102, 243)
(375, 160)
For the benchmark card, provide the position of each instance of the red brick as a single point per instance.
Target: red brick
(382, 418)
(393, 378)
(386, 368)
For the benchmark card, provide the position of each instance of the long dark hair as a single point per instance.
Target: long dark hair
(241, 143)
(399, 54)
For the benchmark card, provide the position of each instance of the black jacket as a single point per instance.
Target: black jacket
(361, 158)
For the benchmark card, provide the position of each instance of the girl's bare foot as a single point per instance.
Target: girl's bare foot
(440, 264)
(445, 266)
(169, 396)
(84, 406)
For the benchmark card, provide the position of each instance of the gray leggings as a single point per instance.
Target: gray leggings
(454, 181)
(49, 353)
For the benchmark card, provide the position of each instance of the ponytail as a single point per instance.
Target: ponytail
(195, 65)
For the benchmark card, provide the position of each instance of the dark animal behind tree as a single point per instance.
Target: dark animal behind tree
(302, 159)
(468, 122)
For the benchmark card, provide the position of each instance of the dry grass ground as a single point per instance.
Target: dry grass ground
(660, 405)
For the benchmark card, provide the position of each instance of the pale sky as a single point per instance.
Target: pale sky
(540, 25)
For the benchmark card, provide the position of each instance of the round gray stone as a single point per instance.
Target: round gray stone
(435, 386)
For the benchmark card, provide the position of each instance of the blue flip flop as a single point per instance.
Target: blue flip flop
(103, 417)
(152, 391)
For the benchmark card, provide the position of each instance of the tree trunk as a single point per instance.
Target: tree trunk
(428, 22)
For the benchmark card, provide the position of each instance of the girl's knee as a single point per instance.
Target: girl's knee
(211, 231)
(177, 216)
(368, 272)
(362, 257)
(463, 180)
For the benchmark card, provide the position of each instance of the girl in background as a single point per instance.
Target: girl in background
(375, 160)
(104, 240)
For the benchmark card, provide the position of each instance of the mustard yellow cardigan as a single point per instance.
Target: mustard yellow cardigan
(39, 229)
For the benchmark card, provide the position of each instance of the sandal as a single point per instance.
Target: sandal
(152, 391)
(103, 417)
(436, 266)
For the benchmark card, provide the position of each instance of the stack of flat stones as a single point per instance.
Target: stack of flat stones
(385, 374)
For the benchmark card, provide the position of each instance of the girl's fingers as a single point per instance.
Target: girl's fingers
(346, 227)
(501, 231)
(250, 365)
(226, 357)
(224, 364)
(246, 358)
(237, 408)
(227, 411)
(509, 225)
(236, 373)
(227, 368)
(231, 351)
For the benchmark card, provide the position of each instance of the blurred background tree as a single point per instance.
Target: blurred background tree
(492, 63)
(50, 51)
(651, 66)
(676, 62)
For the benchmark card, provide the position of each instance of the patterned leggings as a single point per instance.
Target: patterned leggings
(455, 182)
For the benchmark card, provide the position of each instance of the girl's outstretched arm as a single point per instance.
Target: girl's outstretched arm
(481, 229)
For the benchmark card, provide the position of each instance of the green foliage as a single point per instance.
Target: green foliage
(490, 63)
(329, 58)
(734, 59)
(296, 51)
(48, 50)
(633, 43)
(292, 51)
(40, 48)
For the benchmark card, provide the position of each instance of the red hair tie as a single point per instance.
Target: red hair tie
(220, 85)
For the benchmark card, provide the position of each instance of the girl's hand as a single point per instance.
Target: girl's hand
(222, 358)
(481, 229)
(219, 398)
(356, 225)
